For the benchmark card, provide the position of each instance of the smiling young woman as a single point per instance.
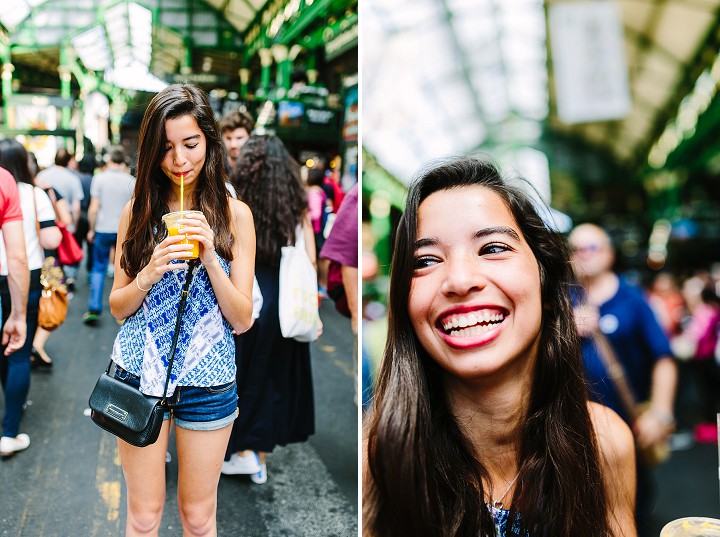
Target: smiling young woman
(181, 163)
(481, 423)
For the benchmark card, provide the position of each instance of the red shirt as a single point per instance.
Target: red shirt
(9, 199)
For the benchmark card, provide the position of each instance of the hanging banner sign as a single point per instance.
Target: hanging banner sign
(198, 78)
(588, 54)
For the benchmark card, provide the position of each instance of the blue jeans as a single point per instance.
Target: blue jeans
(101, 255)
(196, 408)
(15, 369)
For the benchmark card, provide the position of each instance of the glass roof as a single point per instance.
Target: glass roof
(117, 36)
(456, 76)
(239, 13)
(120, 45)
(16, 11)
(446, 76)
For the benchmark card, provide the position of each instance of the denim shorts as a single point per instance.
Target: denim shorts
(196, 408)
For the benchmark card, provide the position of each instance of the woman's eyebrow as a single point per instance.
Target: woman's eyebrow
(503, 230)
(425, 242)
(193, 137)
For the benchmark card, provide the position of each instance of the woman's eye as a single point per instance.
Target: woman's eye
(425, 261)
(191, 146)
(494, 248)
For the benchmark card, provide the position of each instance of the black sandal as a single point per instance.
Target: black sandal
(37, 361)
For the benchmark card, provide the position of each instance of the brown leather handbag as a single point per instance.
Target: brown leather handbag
(52, 309)
(53, 305)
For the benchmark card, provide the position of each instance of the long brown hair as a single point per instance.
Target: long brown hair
(152, 187)
(426, 479)
(14, 158)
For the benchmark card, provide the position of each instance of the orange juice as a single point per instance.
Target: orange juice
(171, 220)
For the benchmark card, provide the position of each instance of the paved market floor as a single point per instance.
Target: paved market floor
(69, 483)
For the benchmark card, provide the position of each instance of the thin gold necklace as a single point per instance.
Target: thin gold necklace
(498, 504)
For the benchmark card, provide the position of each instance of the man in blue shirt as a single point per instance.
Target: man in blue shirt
(609, 307)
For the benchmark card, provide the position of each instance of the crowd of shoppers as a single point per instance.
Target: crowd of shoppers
(110, 191)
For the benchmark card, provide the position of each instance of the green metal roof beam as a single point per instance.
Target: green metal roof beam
(306, 16)
(692, 71)
(317, 38)
(291, 30)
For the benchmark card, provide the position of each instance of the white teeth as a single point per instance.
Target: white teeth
(470, 321)
(471, 331)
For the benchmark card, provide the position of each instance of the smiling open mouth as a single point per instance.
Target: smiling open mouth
(471, 324)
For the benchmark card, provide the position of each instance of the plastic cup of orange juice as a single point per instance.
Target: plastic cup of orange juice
(171, 221)
(692, 527)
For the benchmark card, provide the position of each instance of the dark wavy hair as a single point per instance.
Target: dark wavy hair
(152, 187)
(14, 158)
(268, 179)
(426, 479)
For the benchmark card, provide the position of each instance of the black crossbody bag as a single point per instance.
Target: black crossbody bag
(122, 409)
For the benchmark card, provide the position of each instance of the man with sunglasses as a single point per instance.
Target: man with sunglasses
(616, 324)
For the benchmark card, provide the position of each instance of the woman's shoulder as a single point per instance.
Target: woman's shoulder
(25, 190)
(239, 209)
(127, 208)
(611, 431)
(615, 442)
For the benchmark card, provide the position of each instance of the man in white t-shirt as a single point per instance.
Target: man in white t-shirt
(68, 185)
(110, 190)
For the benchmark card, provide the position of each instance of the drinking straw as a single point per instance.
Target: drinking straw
(182, 190)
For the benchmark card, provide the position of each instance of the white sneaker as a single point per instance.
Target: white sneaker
(10, 445)
(260, 477)
(238, 465)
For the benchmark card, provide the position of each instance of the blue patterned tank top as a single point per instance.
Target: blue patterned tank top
(501, 517)
(205, 354)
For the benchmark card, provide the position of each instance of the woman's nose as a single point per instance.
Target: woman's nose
(178, 157)
(463, 275)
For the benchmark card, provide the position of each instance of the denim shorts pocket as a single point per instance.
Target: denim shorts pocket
(222, 388)
(125, 376)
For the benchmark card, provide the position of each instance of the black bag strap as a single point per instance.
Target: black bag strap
(192, 265)
(181, 309)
